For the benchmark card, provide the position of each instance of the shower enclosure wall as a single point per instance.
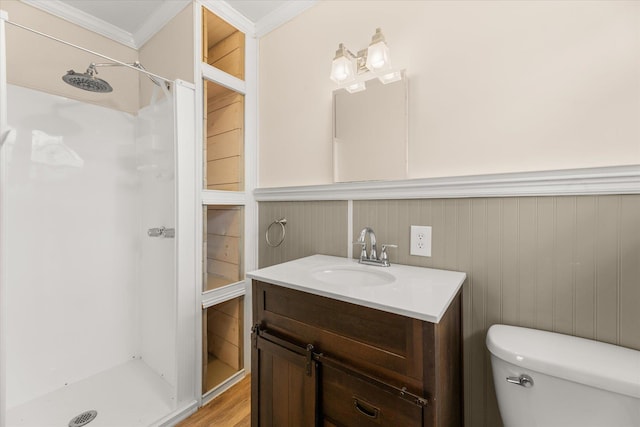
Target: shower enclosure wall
(98, 310)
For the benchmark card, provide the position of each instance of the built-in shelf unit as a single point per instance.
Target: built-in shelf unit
(226, 198)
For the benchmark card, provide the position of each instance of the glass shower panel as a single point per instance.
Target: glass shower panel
(222, 343)
(223, 246)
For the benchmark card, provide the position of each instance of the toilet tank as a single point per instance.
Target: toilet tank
(574, 381)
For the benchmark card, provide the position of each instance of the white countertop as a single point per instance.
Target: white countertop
(420, 293)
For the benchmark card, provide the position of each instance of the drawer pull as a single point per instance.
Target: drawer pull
(365, 409)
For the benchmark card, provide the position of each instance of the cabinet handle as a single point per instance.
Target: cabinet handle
(369, 412)
(309, 359)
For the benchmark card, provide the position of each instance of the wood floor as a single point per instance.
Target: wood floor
(231, 409)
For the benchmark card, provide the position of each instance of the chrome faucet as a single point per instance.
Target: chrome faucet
(372, 256)
(363, 241)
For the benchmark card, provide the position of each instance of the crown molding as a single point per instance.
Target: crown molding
(282, 15)
(83, 19)
(158, 19)
(590, 181)
(167, 11)
(225, 11)
(154, 23)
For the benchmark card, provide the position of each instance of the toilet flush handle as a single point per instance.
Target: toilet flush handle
(523, 380)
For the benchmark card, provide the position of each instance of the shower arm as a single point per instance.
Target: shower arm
(135, 64)
(84, 49)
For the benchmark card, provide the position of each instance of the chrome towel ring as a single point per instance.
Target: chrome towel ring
(282, 222)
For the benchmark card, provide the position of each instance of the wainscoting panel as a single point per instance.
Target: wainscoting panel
(569, 264)
(312, 228)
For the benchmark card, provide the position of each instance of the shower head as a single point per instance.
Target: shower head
(87, 81)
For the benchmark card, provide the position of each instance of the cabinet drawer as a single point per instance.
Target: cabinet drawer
(387, 345)
(349, 401)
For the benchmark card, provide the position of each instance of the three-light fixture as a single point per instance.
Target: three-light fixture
(352, 71)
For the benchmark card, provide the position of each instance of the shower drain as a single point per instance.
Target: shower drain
(83, 419)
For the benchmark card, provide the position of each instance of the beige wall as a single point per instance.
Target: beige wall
(494, 86)
(36, 62)
(169, 53)
(569, 264)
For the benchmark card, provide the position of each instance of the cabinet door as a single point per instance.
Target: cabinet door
(283, 387)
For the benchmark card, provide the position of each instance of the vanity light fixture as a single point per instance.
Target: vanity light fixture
(342, 71)
(351, 71)
(377, 52)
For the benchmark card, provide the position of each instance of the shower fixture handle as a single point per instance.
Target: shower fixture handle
(162, 232)
(155, 232)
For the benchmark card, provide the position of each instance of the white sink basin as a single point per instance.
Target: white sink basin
(353, 276)
(420, 293)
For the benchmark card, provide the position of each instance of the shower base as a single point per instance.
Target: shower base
(129, 395)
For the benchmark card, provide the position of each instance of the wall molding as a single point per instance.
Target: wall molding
(165, 12)
(281, 15)
(220, 77)
(226, 293)
(222, 197)
(84, 20)
(154, 23)
(225, 11)
(588, 181)
(157, 20)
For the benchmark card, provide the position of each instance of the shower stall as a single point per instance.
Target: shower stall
(97, 209)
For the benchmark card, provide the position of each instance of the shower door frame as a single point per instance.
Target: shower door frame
(187, 215)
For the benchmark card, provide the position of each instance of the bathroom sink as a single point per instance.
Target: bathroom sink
(353, 276)
(417, 292)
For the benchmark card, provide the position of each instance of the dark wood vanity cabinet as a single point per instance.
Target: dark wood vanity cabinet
(317, 361)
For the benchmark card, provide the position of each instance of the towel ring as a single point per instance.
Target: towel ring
(282, 222)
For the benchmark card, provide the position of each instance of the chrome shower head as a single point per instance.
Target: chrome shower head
(87, 81)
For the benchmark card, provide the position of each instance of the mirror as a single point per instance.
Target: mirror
(370, 132)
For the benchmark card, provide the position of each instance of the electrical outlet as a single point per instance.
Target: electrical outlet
(420, 240)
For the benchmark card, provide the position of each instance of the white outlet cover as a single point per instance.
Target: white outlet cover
(420, 240)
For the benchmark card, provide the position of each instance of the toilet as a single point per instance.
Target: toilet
(545, 379)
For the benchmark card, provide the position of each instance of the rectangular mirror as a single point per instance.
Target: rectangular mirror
(370, 140)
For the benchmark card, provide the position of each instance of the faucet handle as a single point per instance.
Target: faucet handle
(383, 252)
(363, 252)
